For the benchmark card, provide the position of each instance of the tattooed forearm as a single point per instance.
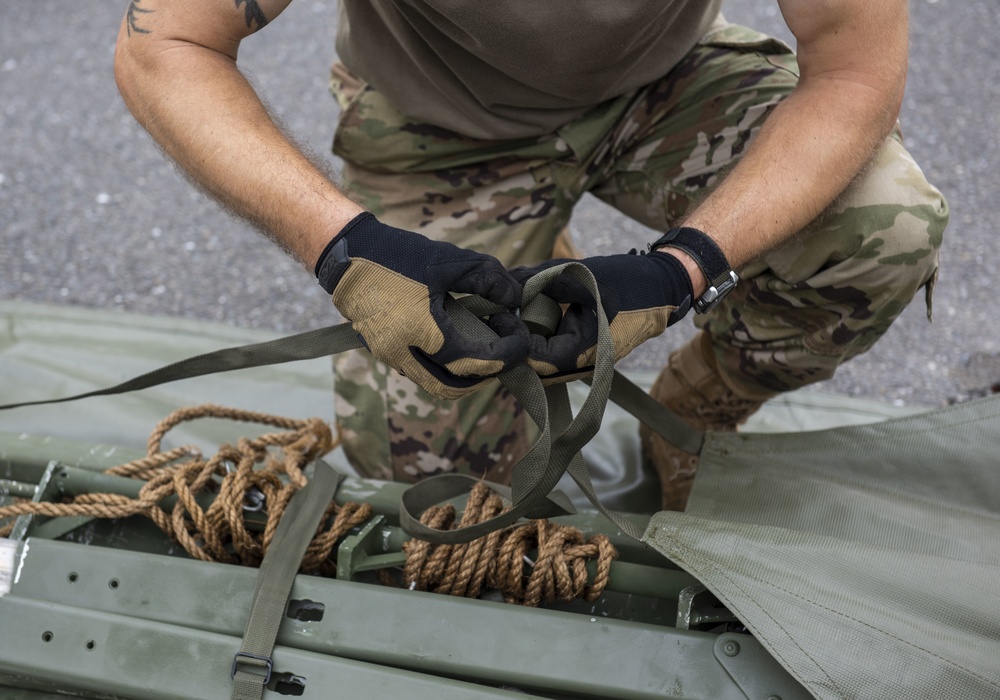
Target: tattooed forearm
(252, 13)
(132, 17)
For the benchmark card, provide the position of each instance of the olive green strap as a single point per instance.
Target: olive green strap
(538, 472)
(658, 417)
(560, 413)
(535, 474)
(303, 346)
(252, 664)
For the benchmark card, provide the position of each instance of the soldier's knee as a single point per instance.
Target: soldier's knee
(830, 294)
(899, 219)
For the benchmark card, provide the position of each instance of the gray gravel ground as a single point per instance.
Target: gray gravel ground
(91, 214)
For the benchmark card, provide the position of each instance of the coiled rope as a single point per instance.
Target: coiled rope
(253, 470)
(500, 560)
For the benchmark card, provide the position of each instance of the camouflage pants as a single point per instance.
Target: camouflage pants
(800, 311)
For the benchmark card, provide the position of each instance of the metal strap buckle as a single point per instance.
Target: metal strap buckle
(255, 657)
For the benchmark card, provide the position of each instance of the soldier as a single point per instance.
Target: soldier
(470, 129)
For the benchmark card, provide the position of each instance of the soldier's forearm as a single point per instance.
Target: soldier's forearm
(198, 106)
(806, 153)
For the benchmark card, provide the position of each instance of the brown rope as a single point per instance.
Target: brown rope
(500, 560)
(251, 469)
(7, 528)
(254, 468)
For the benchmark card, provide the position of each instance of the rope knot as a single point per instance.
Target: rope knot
(501, 559)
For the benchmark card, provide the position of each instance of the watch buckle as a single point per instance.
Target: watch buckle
(715, 293)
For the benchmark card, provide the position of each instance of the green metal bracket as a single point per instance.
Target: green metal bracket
(45, 491)
(368, 550)
(10, 489)
(696, 605)
(128, 657)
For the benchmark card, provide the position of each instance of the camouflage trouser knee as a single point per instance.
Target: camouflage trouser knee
(800, 311)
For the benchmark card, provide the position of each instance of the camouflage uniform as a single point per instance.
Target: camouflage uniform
(800, 311)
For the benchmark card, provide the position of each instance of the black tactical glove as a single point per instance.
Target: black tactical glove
(641, 294)
(391, 284)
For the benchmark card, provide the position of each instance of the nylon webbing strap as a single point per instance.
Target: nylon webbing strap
(535, 474)
(658, 417)
(304, 346)
(557, 450)
(252, 664)
(560, 413)
(538, 472)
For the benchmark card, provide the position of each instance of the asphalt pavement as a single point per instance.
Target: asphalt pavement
(92, 215)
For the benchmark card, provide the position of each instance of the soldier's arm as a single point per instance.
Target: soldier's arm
(852, 56)
(175, 63)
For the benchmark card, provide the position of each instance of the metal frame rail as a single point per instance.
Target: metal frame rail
(101, 621)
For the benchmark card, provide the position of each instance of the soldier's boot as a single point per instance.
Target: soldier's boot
(692, 387)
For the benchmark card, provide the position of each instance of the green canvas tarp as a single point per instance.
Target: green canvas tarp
(864, 557)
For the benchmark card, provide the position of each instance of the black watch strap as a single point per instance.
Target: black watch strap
(709, 257)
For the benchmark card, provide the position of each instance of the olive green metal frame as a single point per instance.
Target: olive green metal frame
(126, 618)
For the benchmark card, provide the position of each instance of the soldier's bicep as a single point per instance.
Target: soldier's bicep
(215, 24)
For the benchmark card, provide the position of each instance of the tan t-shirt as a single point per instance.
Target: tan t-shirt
(503, 69)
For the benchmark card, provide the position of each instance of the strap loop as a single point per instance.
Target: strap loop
(561, 436)
(538, 472)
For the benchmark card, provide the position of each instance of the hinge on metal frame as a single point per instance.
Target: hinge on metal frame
(696, 605)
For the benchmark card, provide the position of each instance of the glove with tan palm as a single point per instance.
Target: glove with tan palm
(641, 293)
(391, 284)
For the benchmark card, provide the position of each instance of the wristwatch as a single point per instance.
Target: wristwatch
(707, 255)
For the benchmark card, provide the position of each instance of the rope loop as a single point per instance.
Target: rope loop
(252, 467)
(271, 468)
(501, 560)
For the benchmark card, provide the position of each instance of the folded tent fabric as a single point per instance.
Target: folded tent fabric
(865, 558)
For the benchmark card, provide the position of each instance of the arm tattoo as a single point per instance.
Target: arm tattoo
(132, 17)
(252, 13)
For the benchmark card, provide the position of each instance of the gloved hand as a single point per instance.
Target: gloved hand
(642, 294)
(391, 284)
